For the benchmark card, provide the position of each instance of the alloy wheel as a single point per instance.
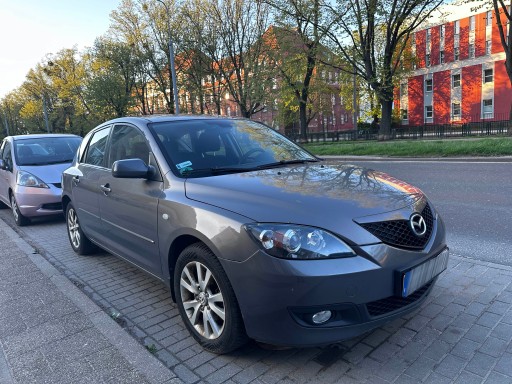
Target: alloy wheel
(14, 206)
(202, 300)
(73, 228)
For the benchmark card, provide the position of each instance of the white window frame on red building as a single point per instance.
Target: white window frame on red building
(429, 113)
(463, 48)
(489, 113)
(456, 111)
(456, 80)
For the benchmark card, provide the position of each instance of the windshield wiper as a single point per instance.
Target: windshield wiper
(221, 170)
(215, 171)
(46, 163)
(286, 162)
(60, 161)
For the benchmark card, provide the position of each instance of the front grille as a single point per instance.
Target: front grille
(393, 303)
(52, 206)
(398, 233)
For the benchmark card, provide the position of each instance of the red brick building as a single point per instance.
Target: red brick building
(460, 74)
(210, 94)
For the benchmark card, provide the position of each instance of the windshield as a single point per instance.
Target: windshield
(46, 150)
(209, 146)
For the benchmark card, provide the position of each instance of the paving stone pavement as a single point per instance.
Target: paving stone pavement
(50, 332)
(461, 334)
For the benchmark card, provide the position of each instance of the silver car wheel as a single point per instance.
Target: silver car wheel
(73, 228)
(202, 300)
(14, 206)
(18, 216)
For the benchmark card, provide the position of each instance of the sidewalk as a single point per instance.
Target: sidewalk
(50, 332)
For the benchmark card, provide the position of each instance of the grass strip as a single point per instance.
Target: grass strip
(488, 147)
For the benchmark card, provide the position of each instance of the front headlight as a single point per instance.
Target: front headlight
(289, 241)
(26, 179)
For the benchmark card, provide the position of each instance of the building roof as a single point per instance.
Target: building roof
(456, 10)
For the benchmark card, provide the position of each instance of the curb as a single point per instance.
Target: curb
(140, 358)
(501, 159)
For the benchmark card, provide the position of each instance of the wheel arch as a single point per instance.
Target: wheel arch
(65, 201)
(177, 246)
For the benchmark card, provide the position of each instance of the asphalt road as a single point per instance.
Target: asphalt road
(474, 198)
(461, 334)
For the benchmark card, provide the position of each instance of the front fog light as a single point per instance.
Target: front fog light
(321, 317)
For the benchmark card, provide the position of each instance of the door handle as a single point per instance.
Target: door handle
(106, 189)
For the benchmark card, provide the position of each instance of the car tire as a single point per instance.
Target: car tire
(18, 217)
(79, 242)
(212, 314)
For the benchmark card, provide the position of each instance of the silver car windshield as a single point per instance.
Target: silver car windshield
(210, 146)
(46, 150)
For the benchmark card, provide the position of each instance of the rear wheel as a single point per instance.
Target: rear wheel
(79, 242)
(18, 217)
(207, 302)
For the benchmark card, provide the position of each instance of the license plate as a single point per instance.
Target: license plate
(423, 273)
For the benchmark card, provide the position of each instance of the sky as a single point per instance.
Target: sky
(31, 29)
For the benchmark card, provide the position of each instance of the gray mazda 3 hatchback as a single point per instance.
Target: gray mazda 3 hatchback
(255, 237)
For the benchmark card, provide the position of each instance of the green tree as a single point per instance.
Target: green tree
(201, 77)
(371, 37)
(10, 114)
(143, 26)
(299, 51)
(110, 87)
(66, 73)
(237, 27)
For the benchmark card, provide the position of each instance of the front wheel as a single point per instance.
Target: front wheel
(207, 302)
(18, 217)
(79, 242)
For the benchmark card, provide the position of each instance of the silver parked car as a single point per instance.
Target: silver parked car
(30, 173)
(255, 237)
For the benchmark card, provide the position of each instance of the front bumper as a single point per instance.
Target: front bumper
(278, 297)
(34, 202)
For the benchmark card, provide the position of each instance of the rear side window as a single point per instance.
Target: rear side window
(95, 152)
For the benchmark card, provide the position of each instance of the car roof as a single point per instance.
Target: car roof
(41, 136)
(161, 118)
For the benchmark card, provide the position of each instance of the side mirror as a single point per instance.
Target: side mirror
(132, 169)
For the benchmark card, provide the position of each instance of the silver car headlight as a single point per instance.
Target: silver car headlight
(298, 242)
(26, 179)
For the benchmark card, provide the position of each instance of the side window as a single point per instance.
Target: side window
(128, 143)
(7, 156)
(96, 150)
(4, 143)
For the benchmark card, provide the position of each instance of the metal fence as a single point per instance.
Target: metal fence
(430, 131)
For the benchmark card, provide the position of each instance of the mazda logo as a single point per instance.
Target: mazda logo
(418, 224)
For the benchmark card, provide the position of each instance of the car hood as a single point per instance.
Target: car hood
(50, 173)
(327, 195)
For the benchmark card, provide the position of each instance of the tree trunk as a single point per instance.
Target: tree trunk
(385, 123)
(303, 121)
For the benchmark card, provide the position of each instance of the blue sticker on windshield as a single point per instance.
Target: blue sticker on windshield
(185, 164)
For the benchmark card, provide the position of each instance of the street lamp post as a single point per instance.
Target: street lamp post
(6, 124)
(171, 60)
(45, 113)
